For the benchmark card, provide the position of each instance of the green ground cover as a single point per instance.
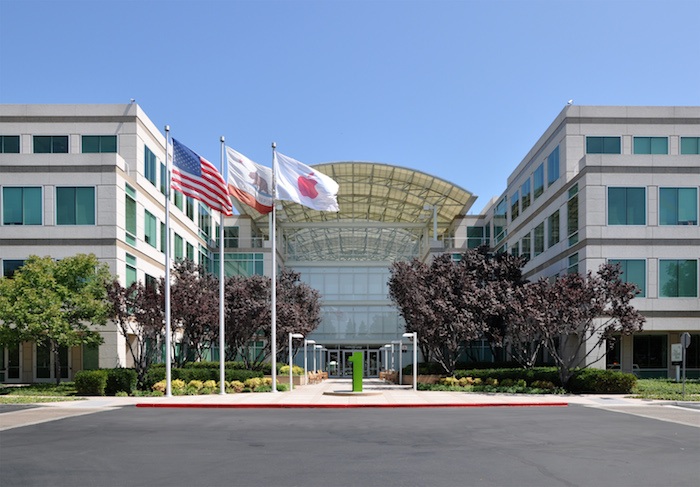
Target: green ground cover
(667, 389)
(35, 393)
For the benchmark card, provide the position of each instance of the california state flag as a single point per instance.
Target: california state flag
(248, 182)
(298, 182)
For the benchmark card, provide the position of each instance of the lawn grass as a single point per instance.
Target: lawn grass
(35, 393)
(667, 389)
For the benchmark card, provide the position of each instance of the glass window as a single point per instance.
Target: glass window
(525, 195)
(572, 216)
(75, 206)
(626, 206)
(231, 237)
(9, 144)
(149, 165)
(130, 277)
(204, 222)
(649, 351)
(163, 178)
(514, 205)
(163, 233)
(539, 181)
(21, 206)
(130, 215)
(603, 145)
(189, 207)
(525, 246)
(678, 278)
(515, 249)
(91, 357)
(178, 199)
(573, 264)
(190, 252)
(553, 229)
(539, 239)
(651, 145)
(553, 166)
(499, 220)
(475, 237)
(9, 267)
(690, 145)
(248, 264)
(633, 271)
(178, 250)
(678, 206)
(150, 228)
(51, 144)
(151, 282)
(99, 143)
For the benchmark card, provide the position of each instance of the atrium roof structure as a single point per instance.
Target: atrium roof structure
(384, 212)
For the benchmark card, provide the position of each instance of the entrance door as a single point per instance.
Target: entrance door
(339, 364)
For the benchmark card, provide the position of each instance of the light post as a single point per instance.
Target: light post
(317, 348)
(414, 336)
(306, 367)
(399, 345)
(292, 335)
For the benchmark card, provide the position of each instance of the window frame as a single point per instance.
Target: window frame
(3, 205)
(651, 140)
(627, 208)
(678, 206)
(75, 216)
(3, 144)
(53, 143)
(604, 139)
(624, 264)
(678, 289)
(100, 144)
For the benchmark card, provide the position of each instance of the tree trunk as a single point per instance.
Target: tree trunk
(56, 362)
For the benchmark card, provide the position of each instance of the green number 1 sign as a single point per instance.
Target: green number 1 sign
(357, 360)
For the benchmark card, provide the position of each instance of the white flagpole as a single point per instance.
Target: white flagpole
(168, 339)
(273, 237)
(222, 374)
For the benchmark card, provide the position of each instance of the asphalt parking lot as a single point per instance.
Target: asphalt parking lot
(518, 446)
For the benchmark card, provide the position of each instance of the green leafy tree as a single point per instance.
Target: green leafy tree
(58, 302)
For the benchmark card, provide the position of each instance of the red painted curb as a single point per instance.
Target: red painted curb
(347, 406)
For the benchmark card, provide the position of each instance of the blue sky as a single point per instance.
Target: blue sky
(457, 89)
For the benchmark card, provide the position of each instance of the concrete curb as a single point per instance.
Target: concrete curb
(348, 406)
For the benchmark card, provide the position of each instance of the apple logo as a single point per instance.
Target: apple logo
(307, 186)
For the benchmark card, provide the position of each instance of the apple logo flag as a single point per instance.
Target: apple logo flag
(298, 182)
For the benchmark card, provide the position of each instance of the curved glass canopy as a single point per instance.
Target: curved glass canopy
(385, 211)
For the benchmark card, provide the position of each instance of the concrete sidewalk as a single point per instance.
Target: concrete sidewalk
(379, 395)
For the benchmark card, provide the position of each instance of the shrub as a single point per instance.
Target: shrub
(543, 384)
(296, 370)
(235, 386)
(449, 381)
(178, 386)
(159, 387)
(528, 375)
(600, 381)
(490, 381)
(466, 381)
(253, 383)
(282, 387)
(120, 380)
(513, 383)
(211, 384)
(195, 384)
(91, 382)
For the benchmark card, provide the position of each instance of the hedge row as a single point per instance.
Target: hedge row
(266, 368)
(595, 381)
(105, 382)
(157, 374)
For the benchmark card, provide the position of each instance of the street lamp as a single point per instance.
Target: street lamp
(414, 336)
(399, 345)
(317, 348)
(306, 367)
(292, 335)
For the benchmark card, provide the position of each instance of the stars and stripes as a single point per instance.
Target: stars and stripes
(197, 178)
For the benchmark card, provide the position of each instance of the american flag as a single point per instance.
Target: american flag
(197, 178)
